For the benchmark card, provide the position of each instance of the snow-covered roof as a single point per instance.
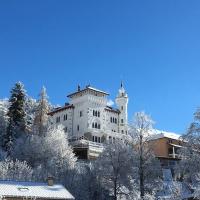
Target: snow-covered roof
(33, 190)
(157, 134)
(59, 109)
(87, 88)
(97, 90)
(111, 109)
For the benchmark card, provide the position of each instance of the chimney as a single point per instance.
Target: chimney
(50, 181)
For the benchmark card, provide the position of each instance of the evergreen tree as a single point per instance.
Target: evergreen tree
(3, 118)
(16, 116)
(30, 108)
(41, 114)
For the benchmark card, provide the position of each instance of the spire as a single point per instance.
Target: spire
(122, 92)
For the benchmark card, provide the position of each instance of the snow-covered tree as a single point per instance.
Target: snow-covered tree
(149, 169)
(3, 119)
(41, 117)
(115, 169)
(50, 152)
(86, 183)
(30, 108)
(16, 116)
(189, 166)
(15, 170)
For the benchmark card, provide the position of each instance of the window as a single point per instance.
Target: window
(99, 126)
(65, 129)
(122, 131)
(96, 113)
(57, 119)
(81, 113)
(93, 125)
(115, 120)
(170, 141)
(111, 119)
(65, 117)
(122, 121)
(77, 127)
(122, 108)
(96, 139)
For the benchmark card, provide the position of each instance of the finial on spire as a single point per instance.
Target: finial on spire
(121, 84)
(79, 88)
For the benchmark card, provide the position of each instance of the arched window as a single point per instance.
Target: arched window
(95, 125)
(111, 119)
(115, 120)
(99, 126)
(93, 113)
(98, 114)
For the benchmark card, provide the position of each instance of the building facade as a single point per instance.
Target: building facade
(88, 119)
(166, 146)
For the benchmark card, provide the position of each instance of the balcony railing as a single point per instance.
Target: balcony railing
(84, 142)
(175, 155)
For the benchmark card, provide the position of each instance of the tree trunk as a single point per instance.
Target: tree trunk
(141, 170)
(115, 190)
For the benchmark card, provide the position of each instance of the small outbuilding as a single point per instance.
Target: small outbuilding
(17, 190)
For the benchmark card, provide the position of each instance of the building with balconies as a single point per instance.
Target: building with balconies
(166, 146)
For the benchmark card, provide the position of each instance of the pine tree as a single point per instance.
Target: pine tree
(41, 114)
(16, 116)
(3, 118)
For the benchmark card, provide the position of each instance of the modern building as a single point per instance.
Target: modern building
(166, 147)
(89, 120)
(16, 190)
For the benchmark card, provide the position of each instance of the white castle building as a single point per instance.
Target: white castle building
(90, 122)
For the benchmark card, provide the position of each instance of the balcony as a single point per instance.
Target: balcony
(83, 142)
(175, 155)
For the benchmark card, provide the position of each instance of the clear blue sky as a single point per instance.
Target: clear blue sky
(154, 46)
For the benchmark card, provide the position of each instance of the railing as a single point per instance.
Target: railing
(83, 142)
(174, 155)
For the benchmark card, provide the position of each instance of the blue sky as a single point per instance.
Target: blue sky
(153, 46)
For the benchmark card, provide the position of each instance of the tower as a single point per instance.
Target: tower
(122, 104)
